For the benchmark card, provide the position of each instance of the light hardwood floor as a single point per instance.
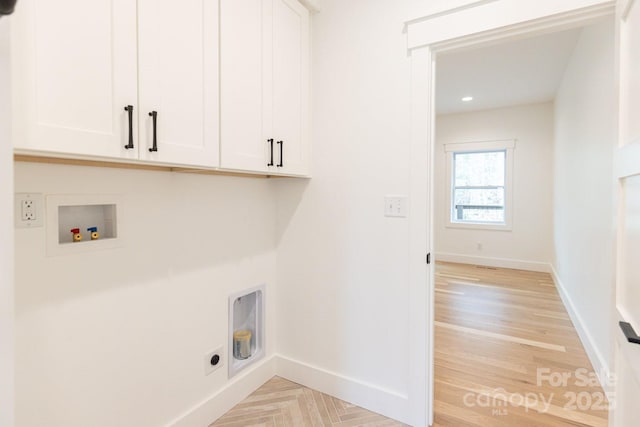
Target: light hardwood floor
(501, 337)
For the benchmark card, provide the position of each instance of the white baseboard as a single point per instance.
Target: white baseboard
(385, 402)
(517, 264)
(219, 403)
(595, 356)
(369, 396)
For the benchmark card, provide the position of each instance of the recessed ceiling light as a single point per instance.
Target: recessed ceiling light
(467, 99)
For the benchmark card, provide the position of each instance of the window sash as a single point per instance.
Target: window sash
(474, 221)
(457, 209)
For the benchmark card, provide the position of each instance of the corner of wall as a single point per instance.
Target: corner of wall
(368, 396)
(223, 400)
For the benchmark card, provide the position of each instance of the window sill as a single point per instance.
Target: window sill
(479, 226)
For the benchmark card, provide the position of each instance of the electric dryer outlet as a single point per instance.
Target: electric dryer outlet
(213, 360)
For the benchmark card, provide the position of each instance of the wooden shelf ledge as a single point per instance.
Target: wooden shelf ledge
(136, 166)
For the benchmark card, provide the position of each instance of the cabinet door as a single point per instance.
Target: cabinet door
(178, 79)
(74, 68)
(291, 85)
(245, 67)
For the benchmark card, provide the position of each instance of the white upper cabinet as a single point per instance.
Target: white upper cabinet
(74, 71)
(264, 86)
(245, 74)
(199, 83)
(178, 80)
(291, 86)
(80, 64)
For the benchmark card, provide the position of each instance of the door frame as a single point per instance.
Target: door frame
(625, 168)
(471, 25)
(7, 333)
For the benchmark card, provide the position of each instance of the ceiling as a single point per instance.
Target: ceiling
(520, 72)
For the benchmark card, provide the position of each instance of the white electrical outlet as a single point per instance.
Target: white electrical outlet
(28, 210)
(211, 362)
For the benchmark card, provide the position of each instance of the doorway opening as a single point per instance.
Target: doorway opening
(523, 146)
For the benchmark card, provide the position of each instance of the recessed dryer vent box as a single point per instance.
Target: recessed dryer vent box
(80, 223)
(246, 322)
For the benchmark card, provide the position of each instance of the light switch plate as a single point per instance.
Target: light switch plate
(395, 206)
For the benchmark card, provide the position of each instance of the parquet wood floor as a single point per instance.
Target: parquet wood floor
(283, 403)
(502, 340)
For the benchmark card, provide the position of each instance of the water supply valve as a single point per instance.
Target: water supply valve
(77, 237)
(94, 233)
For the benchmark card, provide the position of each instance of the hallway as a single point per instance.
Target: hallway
(507, 354)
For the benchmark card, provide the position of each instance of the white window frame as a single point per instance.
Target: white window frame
(508, 146)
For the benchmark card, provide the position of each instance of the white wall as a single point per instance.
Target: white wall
(344, 278)
(583, 197)
(343, 268)
(117, 337)
(6, 236)
(528, 244)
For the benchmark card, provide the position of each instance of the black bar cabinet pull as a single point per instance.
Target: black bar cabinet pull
(281, 164)
(270, 141)
(628, 331)
(154, 114)
(129, 109)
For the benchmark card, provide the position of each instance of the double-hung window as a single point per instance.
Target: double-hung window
(480, 184)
